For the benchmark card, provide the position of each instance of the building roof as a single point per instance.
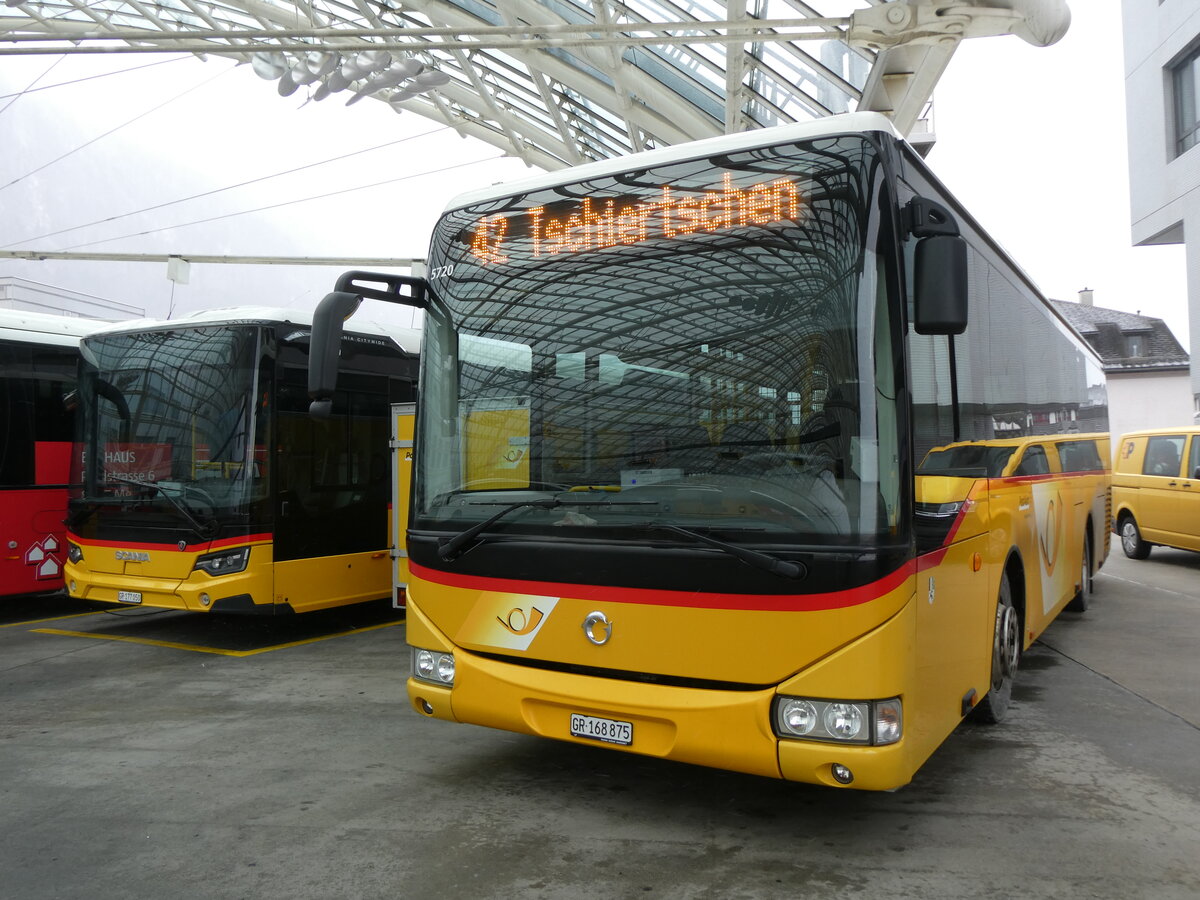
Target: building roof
(1109, 332)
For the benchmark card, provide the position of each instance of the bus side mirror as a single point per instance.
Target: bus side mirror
(324, 348)
(325, 344)
(940, 285)
(940, 279)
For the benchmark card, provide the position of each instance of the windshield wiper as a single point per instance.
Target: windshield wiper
(764, 561)
(206, 530)
(452, 548)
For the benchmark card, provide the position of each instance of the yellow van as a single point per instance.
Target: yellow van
(1156, 490)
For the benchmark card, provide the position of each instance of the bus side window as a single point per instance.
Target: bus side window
(1079, 456)
(1034, 462)
(1163, 455)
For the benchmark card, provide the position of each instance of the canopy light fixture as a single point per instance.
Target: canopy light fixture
(395, 78)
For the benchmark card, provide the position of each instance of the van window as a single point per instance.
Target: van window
(1193, 469)
(1034, 462)
(1163, 454)
(1079, 456)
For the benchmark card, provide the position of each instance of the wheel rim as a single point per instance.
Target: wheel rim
(1085, 570)
(1004, 651)
(1129, 537)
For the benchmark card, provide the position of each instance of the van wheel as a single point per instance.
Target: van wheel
(1131, 539)
(1080, 602)
(1006, 653)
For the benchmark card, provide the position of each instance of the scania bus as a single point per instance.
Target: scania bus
(667, 488)
(39, 354)
(204, 483)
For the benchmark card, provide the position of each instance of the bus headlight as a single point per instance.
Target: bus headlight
(844, 721)
(433, 666)
(874, 722)
(224, 562)
(798, 717)
(74, 552)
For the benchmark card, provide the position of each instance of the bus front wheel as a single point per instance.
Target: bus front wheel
(1131, 539)
(1006, 653)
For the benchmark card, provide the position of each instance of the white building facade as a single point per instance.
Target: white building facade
(1162, 102)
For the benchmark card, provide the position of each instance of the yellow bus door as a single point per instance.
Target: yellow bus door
(404, 418)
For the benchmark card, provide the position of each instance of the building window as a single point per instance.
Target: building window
(1185, 80)
(1135, 344)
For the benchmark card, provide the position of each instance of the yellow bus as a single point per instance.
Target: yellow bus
(667, 497)
(205, 485)
(1053, 493)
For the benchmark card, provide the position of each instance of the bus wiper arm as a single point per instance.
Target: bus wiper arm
(781, 567)
(452, 548)
(205, 530)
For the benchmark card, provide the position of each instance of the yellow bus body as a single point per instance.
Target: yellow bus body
(167, 578)
(923, 634)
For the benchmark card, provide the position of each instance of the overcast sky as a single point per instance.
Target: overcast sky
(1032, 140)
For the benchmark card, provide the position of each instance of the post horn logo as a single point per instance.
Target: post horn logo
(597, 628)
(520, 623)
(1049, 538)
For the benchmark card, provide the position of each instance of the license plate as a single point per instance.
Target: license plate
(129, 596)
(611, 731)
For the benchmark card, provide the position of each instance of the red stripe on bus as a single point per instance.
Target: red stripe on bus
(691, 599)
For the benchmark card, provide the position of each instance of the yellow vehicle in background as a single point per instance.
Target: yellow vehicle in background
(1156, 490)
(1050, 493)
(202, 483)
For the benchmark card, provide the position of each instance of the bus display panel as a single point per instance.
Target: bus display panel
(594, 223)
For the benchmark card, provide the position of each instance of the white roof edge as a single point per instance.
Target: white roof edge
(45, 328)
(848, 123)
(408, 339)
(225, 315)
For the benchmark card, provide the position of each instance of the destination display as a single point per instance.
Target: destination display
(594, 223)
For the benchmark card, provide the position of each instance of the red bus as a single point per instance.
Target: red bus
(39, 355)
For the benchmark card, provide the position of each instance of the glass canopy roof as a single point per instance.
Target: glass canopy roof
(554, 82)
(561, 82)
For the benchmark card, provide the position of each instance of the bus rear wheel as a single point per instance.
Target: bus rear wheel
(1131, 539)
(1006, 653)
(1080, 602)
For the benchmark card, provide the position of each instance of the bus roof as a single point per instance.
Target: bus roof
(45, 328)
(850, 123)
(407, 339)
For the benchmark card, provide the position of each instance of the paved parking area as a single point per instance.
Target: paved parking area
(175, 754)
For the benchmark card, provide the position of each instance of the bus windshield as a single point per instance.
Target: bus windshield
(172, 429)
(705, 345)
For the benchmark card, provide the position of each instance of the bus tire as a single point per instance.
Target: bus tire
(1131, 539)
(1006, 654)
(1080, 602)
